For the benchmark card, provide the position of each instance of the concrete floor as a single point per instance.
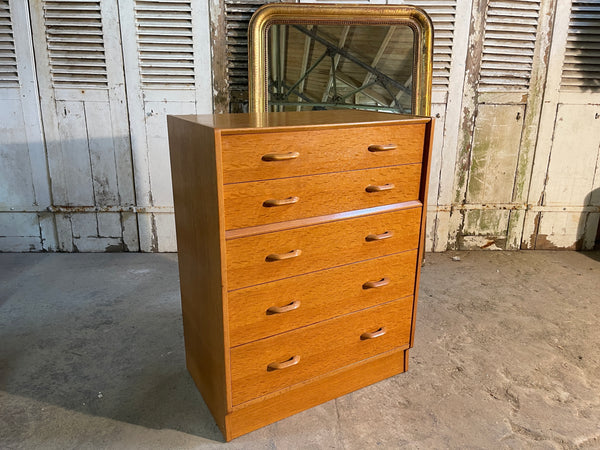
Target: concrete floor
(507, 355)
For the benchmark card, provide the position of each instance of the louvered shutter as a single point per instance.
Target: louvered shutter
(80, 74)
(165, 44)
(509, 43)
(24, 182)
(75, 42)
(237, 17)
(581, 67)
(443, 14)
(8, 59)
(166, 48)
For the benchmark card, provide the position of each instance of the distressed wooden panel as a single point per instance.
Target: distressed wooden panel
(16, 187)
(574, 155)
(439, 112)
(560, 231)
(495, 152)
(80, 73)
(19, 224)
(73, 140)
(102, 154)
(20, 244)
(486, 222)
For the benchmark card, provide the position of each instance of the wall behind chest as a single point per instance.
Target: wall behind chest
(85, 133)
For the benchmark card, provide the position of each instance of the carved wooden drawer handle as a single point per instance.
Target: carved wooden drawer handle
(376, 284)
(282, 256)
(280, 156)
(379, 237)
(382, 148)
(381, 187)
(373, 334)
(280, 202)
(281, 309)
(282, 365)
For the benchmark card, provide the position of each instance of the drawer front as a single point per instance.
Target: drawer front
(268, 365)
(272, 256)
(318, 151)
(272, 308)
(262, 202)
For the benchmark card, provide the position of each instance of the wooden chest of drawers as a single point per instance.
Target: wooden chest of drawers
(300, 236)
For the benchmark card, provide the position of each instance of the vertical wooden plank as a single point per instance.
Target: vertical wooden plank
(531, 122)
(495, 149)
(438, 111)
(101, 153)
(546, 122)
(16, 188)
(76, 167)
(571, 169)
(109, 224)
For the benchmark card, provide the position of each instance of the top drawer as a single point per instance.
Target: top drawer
(250, 157)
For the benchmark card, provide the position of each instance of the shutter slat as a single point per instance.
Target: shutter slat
(9, 76)
(442, 15)
(581, 66)
(165, 44)
(509, 44)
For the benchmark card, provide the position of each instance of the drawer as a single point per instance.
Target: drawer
(272, 308)
(267, 257)
(273, 363)
(318, 151)
(262, 202)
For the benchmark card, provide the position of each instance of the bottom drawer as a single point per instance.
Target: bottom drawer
(273, 363)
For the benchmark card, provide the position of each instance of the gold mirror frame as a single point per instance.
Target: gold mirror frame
(334, 14)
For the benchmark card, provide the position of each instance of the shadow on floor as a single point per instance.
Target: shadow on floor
(101, 335)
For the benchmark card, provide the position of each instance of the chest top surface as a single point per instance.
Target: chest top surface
(272, 122)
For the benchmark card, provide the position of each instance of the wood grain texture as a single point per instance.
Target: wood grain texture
(249, 320)
(317, 195)
(252, 415)
(323, 246)
(196, 182)
(290, 289)
(319, 151)
(321, 348)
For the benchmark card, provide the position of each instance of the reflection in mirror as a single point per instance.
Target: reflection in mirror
(323, 66)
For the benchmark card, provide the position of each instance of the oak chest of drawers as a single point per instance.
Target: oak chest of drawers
(299, 237)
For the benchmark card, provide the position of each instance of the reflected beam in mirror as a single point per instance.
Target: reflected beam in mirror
(379, 75)
(336, 61)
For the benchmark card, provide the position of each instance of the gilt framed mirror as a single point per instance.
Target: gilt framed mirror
(317, 56)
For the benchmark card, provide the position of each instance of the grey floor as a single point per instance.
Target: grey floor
(507, 355)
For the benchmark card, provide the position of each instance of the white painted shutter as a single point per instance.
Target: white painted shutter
(509, 43)
(581, 67)
(80, 73)
(24, 184)
(166, 48)
(8, 58)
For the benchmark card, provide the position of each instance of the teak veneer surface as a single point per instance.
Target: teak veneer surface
(318, 151)
(326, 245)
(234, 281)
(321, 347)
(317, 195)
(298, 397)
(249, 319)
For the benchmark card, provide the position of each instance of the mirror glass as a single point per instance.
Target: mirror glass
(331, 66)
